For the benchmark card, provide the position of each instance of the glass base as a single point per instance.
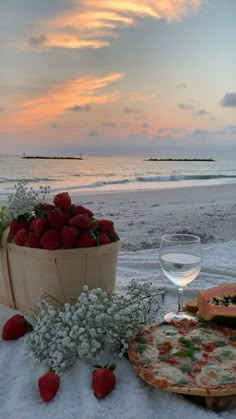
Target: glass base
(178, 316)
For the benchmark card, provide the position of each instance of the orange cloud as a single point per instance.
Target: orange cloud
(93, 23)
(43, 109)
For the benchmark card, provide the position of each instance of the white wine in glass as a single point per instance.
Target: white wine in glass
(180, 260)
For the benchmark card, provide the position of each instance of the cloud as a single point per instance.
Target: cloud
(146, 125)
(140, 97)
(93, 23)
(49, 105)
(94, 133)
(185, 106)
(55, 125)
(200, 112)
(228, 100)
(2, 109)
(191, 107)
(61, 40)
(78, 108)
(38, 40)
(200, 131)
(128, 110)
(182, 86)
(109, 124)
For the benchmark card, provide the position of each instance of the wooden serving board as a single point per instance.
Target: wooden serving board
(217, 404)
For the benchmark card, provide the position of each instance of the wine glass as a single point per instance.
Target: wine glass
(180, 259)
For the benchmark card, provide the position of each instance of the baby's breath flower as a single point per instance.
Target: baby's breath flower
(96, 322)
(24, 201)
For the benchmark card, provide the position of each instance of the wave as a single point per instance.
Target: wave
(142, 179)
(175, 178)
(30, 180)
(56, 184)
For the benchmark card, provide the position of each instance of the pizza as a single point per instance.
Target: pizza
(186, 357)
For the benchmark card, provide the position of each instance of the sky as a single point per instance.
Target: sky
(154, 78)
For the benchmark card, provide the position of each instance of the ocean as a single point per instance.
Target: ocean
(110, 174)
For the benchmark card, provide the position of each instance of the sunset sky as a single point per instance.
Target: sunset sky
(131, 77)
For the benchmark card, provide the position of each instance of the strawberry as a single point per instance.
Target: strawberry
(63, 201)
(33, 240)
(106, 225)
(94, 225)
(103, 381)
(80, 221)
(43, 208)
(69, 236)
(47, 207)
(32, 224)
(113, 236)
(48, 385)
(85, 239)
(103, 238)
(21, 237)
(51, 240)
(15, 327)
(66, 218)
(40, 226)
(56, 219)
(17, 225)
(80, 209)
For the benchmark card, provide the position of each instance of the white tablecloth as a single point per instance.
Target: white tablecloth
(131, 398)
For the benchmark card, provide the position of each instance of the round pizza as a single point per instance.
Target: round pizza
(186, 357)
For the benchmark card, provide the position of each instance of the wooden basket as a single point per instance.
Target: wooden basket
(61, 273)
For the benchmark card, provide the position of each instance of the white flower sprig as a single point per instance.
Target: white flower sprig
(96, 322)
(23, 202)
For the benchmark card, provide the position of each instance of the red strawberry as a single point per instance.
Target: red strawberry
(51, 240)
(33, 240)
(47, 207)
(113, 235)
(79, 209)
(48, 385)
(69, 236)
(43, 208)
(80, 221)
(103, 238)
(106, 225)
(21, 237)
(63, 201)
(56, 219)
(32, 224)
(66, 218)
(103, 381)
(40, 226)
(15, 327)
(17, 225)
(94, 225)
(85, 239)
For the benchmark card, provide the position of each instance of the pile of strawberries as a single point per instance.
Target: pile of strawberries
(62, 225)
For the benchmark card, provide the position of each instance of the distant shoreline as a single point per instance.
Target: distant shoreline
(52, 158)
(151, 159)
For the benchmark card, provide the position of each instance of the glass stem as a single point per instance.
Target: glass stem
(180, 300)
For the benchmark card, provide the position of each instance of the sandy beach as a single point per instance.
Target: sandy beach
(142, 217)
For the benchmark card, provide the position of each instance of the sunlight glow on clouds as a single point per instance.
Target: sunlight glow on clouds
(93, 23)
(75, 95)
